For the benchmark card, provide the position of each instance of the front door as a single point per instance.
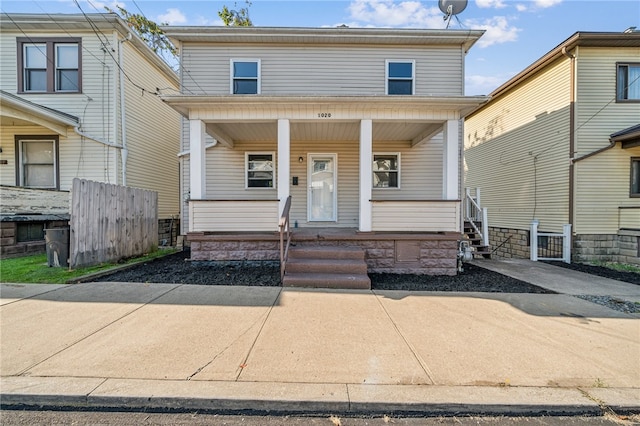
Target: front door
(322, 195)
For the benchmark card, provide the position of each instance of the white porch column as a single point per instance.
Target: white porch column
(451, 160)
(366, 172)
(197, 160)
(284, 160)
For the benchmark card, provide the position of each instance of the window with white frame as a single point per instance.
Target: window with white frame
(386, 170)
(400, 77)
(260, 171)
(49, 66)
(37, 160)
(635, 177)
(628, 82)
(245, 76)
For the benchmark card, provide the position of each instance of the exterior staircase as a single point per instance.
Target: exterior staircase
(476, 226)
(326, 267)
(475, 240)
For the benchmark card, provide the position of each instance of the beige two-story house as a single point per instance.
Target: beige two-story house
(560, 144)
(353, 134)
(79, 98)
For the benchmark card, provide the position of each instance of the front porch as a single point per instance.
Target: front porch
(429, 253)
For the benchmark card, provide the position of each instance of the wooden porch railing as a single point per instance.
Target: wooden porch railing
(285, 229)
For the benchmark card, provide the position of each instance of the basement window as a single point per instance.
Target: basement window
(28, 232)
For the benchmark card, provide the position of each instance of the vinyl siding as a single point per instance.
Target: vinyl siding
(152, 162)
(414, 216)
(517, 152)
(602, 181)
(321, 70)
(153, 134)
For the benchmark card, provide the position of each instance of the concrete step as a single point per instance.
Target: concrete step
(326, 267)
(346, 281)
(329, 252)
(341, 266)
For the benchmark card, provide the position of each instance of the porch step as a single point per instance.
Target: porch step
(326, 267)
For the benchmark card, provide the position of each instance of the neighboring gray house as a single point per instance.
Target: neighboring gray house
(77, 99)
(360, 127)
(560, 143)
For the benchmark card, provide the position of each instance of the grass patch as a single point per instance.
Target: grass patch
(34, 269)
(623, 267)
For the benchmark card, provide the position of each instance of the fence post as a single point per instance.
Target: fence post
(566, 243)
(534, 240)
(485, 227)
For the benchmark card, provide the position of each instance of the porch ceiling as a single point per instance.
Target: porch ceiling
(327, 131)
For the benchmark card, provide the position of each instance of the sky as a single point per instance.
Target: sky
(517, 32)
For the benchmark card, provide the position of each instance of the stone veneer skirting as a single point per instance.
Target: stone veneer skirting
(419, 253)
(622, 247)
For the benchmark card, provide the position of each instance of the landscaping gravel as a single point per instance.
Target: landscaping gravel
(179, 269)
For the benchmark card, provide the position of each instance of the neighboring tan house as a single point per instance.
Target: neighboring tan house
(560, 143)
(78, 100)
(360, 127)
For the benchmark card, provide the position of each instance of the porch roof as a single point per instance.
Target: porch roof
(413, 118)
(15, 110)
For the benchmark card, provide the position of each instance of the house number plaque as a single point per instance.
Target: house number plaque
(324, 115)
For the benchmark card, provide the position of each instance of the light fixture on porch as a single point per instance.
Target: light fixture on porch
(300, 159)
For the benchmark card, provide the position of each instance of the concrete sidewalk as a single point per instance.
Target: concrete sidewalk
(187, 347)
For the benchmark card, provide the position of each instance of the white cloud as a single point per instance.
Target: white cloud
(543, 4)
(482, 84)
(521, 7)
(388, 13)
(172, 17)
(497, 30)
(497, 4)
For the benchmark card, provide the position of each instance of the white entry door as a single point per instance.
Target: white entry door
(322, 195)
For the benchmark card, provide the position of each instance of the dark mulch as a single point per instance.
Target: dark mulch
(177, 268)
(626, 276)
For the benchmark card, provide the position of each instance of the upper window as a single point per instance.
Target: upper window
(245, 77)
(628, 82)
(400, 77)
(37, 160)
(386, 170)
(635, 177)
(49, 66)
(260, 170)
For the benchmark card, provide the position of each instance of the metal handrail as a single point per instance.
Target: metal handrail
(477, 211)
(285, 228)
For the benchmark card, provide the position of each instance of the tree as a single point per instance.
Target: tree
(148, 31)
(236, 18)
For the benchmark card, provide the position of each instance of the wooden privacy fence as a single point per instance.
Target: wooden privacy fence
(111, 222)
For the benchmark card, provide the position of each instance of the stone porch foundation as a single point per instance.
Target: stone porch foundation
(400, 253)
(623, 247)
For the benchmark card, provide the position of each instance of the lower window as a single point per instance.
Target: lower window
(635, 177)
(37, 160)
(386, 170)
(27, 232)
(259, 170)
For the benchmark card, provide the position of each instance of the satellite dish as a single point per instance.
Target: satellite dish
(452, 7)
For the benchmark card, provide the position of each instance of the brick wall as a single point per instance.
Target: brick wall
(621, 248)
(509, 243)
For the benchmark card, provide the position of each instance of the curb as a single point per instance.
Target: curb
(317, 398)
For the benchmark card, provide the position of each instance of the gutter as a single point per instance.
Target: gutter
(572, 133)
(93, 138)
(612, 143)
(124, 153)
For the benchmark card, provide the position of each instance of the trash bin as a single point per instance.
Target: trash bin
(57, 241)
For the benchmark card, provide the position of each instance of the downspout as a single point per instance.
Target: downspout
(124, 152)
(572, 135)
(93, 138)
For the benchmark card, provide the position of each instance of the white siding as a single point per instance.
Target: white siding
(517, 152)
(602, 181)
(153, 134)
(233, 216)
(321, 70)
(415, 216)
